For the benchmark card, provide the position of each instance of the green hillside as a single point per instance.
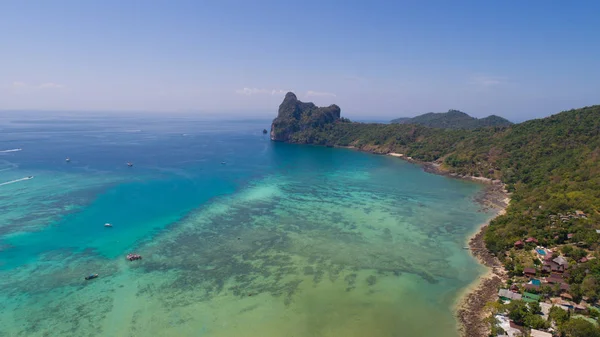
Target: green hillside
(453, 119)
(552, 165)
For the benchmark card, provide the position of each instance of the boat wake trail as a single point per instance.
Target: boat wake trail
(11, 150)
(16, 181)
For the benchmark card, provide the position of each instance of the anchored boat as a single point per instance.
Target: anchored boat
(133, 257)
(91, 277)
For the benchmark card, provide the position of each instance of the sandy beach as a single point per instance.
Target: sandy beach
(399, 155)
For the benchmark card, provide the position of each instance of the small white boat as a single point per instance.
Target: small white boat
(130, 164)
(223, 163)
(68, 160)
(107, 225)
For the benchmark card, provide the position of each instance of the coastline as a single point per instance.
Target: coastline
(470, 307)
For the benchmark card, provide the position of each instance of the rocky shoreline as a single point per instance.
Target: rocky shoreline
(470, 310)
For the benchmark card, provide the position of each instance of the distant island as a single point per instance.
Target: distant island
(295, 116)
(550, 232)
(453, 119)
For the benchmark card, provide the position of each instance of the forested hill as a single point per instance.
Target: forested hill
(552, 165)
(453, 119)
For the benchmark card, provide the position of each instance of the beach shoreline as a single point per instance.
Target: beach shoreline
(469, 309)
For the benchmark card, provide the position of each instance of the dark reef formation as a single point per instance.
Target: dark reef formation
(296, 116)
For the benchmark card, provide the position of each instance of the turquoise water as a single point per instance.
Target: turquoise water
(541, 251)
(281, 240)
(536, 282)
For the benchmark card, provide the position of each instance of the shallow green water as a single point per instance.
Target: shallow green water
(283, 240)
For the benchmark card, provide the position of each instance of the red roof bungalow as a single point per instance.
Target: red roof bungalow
(516, 326)
(555, 267)
(566, 296)
(553, 279)
(519, 244)
(529, 271)
(558, 276)
(570, 236)
(583, 260)
(533, 287)
(530, 240)
(551, 266)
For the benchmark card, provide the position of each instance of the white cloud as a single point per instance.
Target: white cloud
(256, 91)
(17, 85)
(312, 93)
(21, 86)
(487, 81)
(51, 85)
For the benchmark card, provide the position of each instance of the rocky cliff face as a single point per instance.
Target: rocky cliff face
(296, 116)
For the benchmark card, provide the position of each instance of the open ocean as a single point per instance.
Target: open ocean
(280, 240)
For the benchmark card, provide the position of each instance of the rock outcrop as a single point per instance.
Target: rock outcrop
(296, 116)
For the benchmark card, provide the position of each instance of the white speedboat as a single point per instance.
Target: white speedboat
(107, 225)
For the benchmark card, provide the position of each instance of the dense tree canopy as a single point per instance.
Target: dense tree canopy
(453, 119)
(579, 327)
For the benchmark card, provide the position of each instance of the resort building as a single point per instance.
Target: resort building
(506, 294)
(538, 333)
(529, 272)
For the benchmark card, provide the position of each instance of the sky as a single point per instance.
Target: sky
(375, 59)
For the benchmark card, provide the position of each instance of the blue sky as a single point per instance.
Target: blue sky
(517, 59)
